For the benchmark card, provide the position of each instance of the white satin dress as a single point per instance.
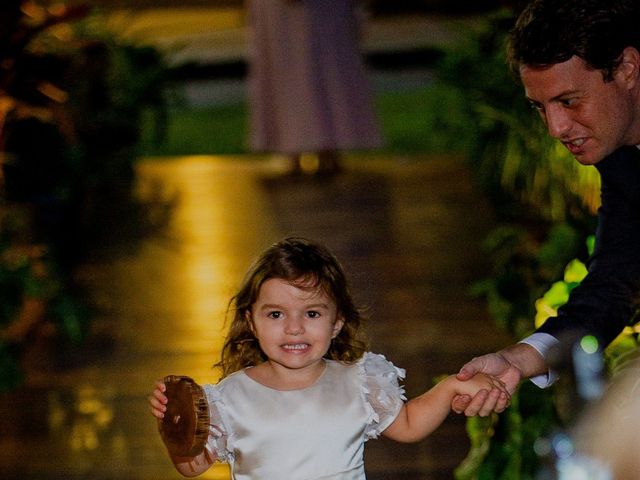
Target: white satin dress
(308, 434)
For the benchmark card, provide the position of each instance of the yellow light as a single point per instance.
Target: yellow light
(309, 163)
(211, 199)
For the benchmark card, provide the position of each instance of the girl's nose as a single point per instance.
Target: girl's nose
(294, 326)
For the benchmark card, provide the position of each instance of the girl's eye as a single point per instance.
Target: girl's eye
(313, 314)
(275, 315)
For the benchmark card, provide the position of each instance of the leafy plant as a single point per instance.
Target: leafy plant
(513, 157)
(34, 300)
(502, 447)
(71, 103)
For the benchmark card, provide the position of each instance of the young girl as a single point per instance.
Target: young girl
(300, 395)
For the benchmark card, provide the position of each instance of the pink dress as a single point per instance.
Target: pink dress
(308, 89)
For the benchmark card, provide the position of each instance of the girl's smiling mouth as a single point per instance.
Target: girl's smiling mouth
(295, 347)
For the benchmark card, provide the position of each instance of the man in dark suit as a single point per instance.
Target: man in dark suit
(579, 63)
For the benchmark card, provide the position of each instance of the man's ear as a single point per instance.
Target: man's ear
(337, 326)
(628, 71)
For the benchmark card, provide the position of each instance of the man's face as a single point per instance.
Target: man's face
(591, 117)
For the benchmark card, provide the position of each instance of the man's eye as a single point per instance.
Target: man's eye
(536, 106)
(568, 102)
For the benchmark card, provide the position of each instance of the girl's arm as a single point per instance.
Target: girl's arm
(186, 466)
(422, 415)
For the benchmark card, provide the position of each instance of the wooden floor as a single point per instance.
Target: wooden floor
(407, 230)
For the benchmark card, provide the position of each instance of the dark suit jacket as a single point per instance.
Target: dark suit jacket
(606, 299)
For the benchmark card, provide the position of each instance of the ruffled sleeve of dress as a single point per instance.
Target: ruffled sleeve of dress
(217, 442)
(383, 394)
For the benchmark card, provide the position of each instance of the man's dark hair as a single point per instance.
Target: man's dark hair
(597, 31)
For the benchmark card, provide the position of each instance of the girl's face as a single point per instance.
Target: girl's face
(294, 326)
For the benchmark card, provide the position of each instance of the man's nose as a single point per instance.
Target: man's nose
(558, 122)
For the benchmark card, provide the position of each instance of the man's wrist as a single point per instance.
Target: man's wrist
(526, 359)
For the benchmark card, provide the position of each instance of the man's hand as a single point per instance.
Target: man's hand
(485, 402)
(510, 366)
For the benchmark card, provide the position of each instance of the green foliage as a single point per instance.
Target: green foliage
(558, 293)
(624, 348)
(623, 351)
(562, 243)
(71, 319)
(215, 130)
(502, 446)
(431, 120)
(11, 375)
(480, 431)
(514, 159)
(72, 97)
(28, 277)
(428, 120)
(523, 265)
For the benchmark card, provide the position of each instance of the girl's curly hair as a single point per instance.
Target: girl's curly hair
(306, 265)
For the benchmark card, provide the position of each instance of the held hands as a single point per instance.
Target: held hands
(482, 384)
(486, 401)
(158, 400)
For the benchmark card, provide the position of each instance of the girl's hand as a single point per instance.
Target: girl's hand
(482, 381)
(158, 400)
